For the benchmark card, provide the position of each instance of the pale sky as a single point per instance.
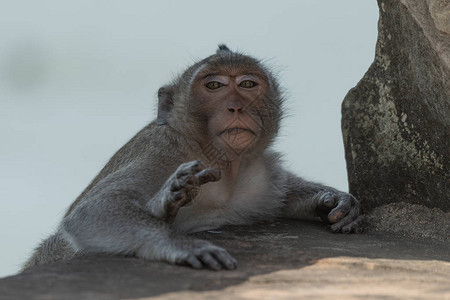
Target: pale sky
(79, 79)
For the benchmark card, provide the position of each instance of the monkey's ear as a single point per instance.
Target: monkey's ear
(223, 47)
(165, 104)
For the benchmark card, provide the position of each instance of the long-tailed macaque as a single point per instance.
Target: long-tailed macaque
(206, 161)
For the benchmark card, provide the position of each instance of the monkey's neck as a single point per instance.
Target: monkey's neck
(232, 170)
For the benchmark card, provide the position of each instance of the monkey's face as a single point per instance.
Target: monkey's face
(229, 101)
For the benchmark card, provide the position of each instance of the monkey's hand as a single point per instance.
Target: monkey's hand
(340, 209)
(200, 254)
(183, 186)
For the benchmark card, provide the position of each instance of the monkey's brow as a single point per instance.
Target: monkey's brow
(210, 75)
(234, 75)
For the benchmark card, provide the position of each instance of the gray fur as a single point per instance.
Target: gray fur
(156, 189)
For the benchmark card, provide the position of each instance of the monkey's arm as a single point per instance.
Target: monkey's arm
(121, 216)
(308, 200)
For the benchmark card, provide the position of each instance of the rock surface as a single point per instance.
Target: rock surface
(396, 121)
(279, 260)
(411, 220)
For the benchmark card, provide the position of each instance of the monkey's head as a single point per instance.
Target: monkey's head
(228, 103)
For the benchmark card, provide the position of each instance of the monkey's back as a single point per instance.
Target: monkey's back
(160, 147)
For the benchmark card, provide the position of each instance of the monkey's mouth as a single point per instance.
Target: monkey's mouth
(238, 138)
(236, 130)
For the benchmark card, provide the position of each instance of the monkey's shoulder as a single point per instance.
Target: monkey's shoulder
(155, 146)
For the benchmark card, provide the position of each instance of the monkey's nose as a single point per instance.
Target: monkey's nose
(235, 106)
(232, 109)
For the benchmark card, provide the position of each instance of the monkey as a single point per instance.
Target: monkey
(206, 161)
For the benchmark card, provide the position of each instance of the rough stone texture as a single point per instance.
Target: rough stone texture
(277, 260)
(411, 220)
(396, 121)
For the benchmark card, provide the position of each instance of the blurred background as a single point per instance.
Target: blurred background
(78, 79)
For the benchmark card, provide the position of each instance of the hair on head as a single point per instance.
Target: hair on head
(223, 47)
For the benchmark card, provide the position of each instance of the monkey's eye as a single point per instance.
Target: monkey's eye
(214, 85)
(248, 84)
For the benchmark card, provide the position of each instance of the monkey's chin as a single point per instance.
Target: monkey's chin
(238, 139)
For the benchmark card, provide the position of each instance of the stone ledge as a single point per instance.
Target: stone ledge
(287, 259)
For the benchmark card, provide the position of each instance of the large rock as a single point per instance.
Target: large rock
(396, 121)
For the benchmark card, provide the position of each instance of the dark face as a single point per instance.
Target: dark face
(228, 100)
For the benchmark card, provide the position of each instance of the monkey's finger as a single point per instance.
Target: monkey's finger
(327, 200)
(185, 174)
(210, 261)
(181, 198)
(350, 216)
(207, 175)
(336, 227)
(225, 259)
(356, 226)
(189, 168)
(178, 182)
(193, 261)
(346, 203)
